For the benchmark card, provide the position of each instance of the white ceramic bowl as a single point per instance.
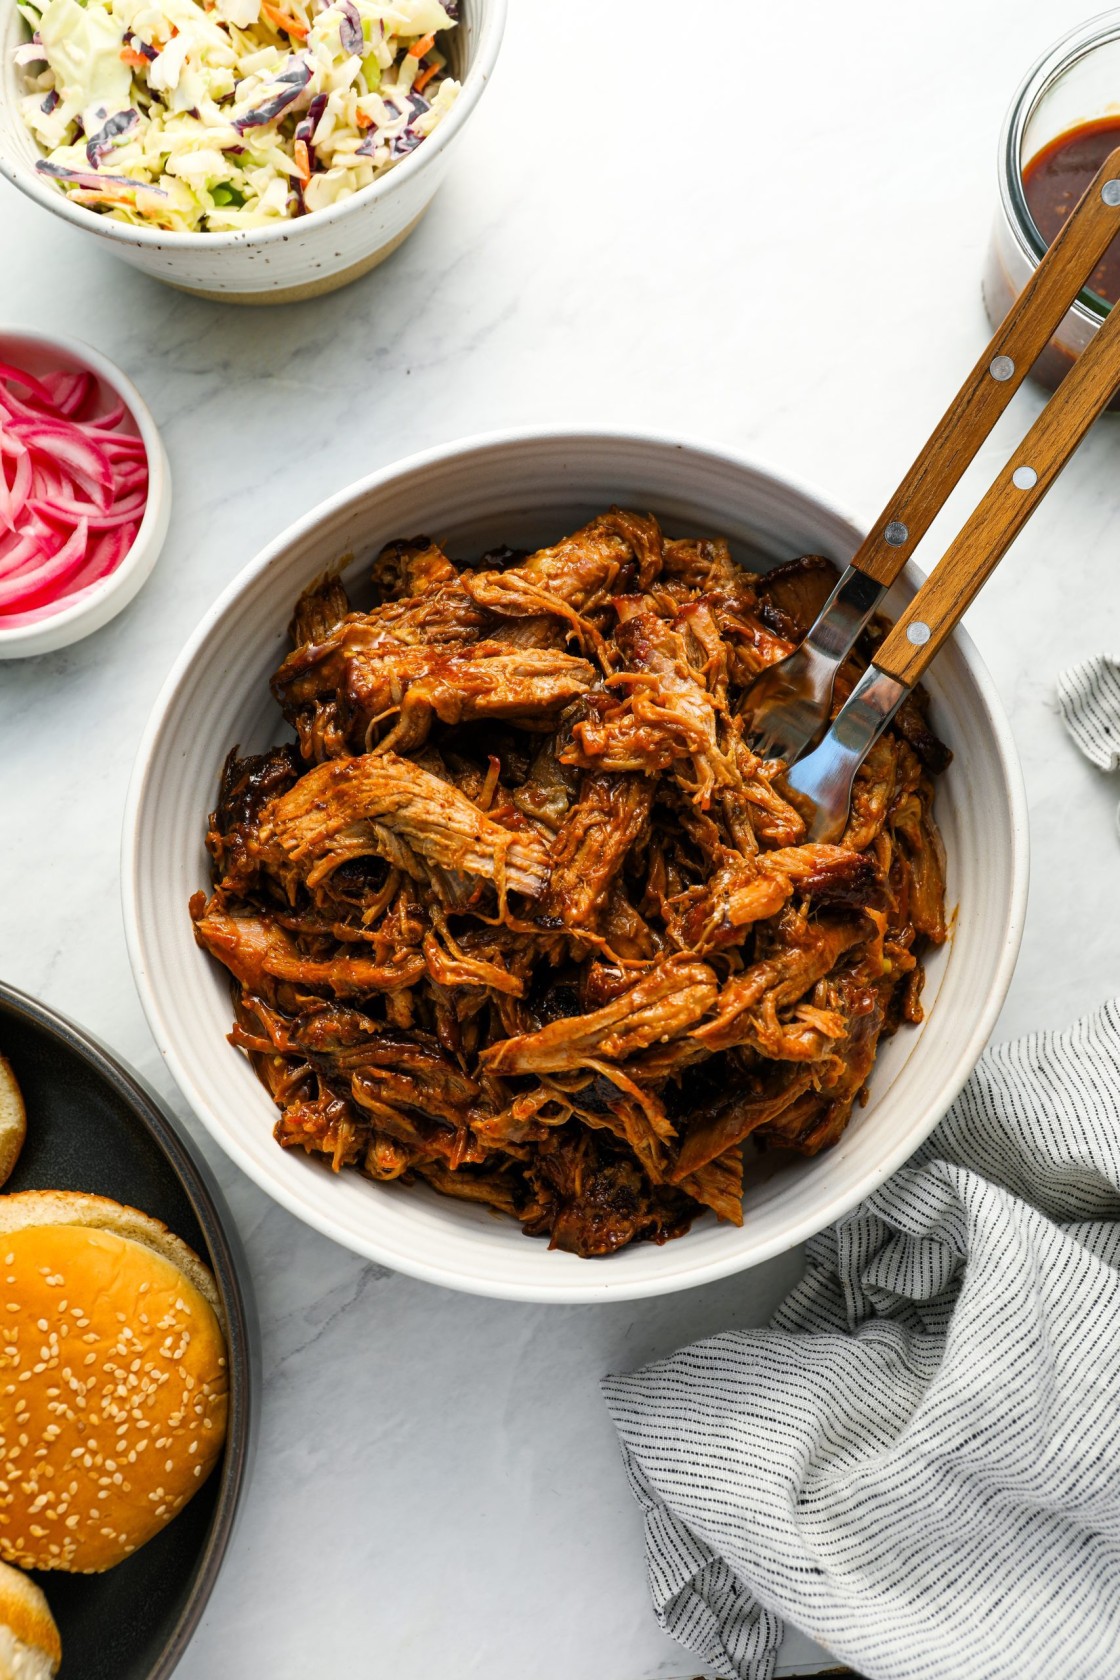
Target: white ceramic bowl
(295, 259)
(39, 353)
(526, 489)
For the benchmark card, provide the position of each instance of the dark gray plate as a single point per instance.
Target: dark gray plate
(92, 1126)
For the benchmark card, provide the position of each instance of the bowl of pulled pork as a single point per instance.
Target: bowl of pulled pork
(474, 932)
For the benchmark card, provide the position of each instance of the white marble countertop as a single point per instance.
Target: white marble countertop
(769, 234)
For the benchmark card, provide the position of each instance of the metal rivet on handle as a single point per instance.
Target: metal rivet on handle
(896, 533)
(1001, 367)
(918, 633)
(1024, 478)
(1110, 192)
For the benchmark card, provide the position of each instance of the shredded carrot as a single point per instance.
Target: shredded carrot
(425, 77)
(362, 120)
(129, 55)
(284, 20)
(303, 160)
(422, 46)
(88, 196)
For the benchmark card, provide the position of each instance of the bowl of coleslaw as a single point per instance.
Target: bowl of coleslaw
(254, 151)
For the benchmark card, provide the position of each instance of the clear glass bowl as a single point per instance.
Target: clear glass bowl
(1077, 81)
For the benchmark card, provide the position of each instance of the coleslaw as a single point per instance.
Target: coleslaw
(226, 114)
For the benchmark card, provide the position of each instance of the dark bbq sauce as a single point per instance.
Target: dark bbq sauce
(1054, 180)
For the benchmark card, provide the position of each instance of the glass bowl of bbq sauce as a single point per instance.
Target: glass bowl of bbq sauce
(1063, 122)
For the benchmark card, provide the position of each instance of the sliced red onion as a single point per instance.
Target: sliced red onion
(14, 493)
(19, 557)
(72, 490)
(34, 540)
(106, 422)
(84, 460)
(34, 387)
(73, 594)
(51, 575)
(105, 555)
(61, 509)
(130, 482)
(70, 392)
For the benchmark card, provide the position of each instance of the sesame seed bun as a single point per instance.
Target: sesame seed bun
(13, 1122)
(113, 1380)
(30, 1648)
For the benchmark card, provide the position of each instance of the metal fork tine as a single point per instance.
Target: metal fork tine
(825, 776)
(787, 705)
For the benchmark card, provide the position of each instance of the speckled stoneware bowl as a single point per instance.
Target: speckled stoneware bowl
(526, 489)
(92, 1126)
(295, 259)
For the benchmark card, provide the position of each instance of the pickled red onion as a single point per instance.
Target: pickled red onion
(73, 489)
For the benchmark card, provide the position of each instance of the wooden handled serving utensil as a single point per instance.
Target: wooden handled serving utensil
(823, 779)
(787, 705)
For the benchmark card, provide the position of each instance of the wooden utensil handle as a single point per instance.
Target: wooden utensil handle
(979, 547)
(1030, 324)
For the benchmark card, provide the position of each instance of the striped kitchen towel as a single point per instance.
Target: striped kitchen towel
(918, 1463)
(1089, 701)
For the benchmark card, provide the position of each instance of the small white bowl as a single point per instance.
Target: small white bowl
(39, 353)
(527, 488)
(295, 259)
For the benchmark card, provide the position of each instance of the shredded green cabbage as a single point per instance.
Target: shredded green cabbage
(230, 113)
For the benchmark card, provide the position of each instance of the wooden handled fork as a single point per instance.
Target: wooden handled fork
(787, 705)
(824, 777)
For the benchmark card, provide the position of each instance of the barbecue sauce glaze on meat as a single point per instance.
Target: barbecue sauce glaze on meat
(517, 914)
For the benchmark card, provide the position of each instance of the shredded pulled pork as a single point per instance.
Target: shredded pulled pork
(518, 913)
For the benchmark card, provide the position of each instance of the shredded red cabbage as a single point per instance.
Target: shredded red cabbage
(80, 178)
(350, 29)
(307, 125)
(115, 128)
(291, 84)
